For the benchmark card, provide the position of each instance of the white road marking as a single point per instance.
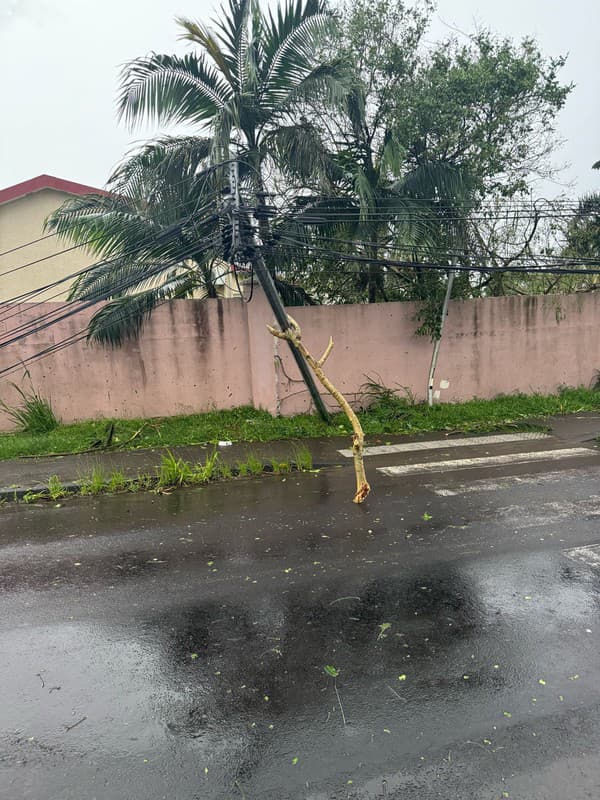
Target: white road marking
(442, 444)
(588, 554)
(501, 484)
(486, 461)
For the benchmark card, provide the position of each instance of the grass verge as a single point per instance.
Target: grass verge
(387, 414)
(171, 473)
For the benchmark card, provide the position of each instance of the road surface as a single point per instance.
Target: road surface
(175, 646)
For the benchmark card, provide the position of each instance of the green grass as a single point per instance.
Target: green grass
(34, 414)
(387, 415)
(171, 473)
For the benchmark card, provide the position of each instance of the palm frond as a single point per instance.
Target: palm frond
(168, 158)
(171, 89)
(327, 81)
(365, 192)
(233, 26)
(123, 319)
(391, 156)
(122, 277)
(108, 223)
(200, 34)
(414, 226)
(290, 43)
(300, 152)
(436, 180)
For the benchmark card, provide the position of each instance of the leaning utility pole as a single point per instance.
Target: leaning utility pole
(267, 284)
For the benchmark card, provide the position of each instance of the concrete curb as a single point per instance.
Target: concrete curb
(10, 494)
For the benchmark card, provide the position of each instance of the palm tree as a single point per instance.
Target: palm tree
(379, 211)
(244, 84)
(156, 234)
(241, 87)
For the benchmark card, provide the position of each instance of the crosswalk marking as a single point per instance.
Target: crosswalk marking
(485, 461)
(442, 444)
(589, 554)
(502, 484)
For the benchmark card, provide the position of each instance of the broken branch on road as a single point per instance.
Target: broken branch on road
(293, 335)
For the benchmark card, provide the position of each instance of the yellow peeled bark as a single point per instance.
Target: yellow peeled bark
(293, 334)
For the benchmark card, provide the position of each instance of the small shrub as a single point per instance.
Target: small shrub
(56, 490)
(174, 471)
(204, 473)
(303, 459)
(225, 471)
(34, 415)
(144, 482)
(117, 481)
(93, 483)
(32, 497)
(254, 465)
(275, 466)
(384, 403)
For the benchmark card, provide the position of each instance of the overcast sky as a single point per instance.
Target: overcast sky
(59, 61)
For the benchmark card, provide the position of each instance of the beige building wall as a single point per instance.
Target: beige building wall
(21, 221)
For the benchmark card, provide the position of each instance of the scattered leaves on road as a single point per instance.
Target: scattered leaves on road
(385, 626)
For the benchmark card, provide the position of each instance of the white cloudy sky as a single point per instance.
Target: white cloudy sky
(59, 61)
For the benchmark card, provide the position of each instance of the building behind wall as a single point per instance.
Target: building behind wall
(24, 208)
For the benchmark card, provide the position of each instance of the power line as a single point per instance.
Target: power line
(54, 315)
(202, 175)
(81, 244)
(71, 340)
(154, 238)
(147, 276)
(457, 252)
(72, 312)
(416, 265)
(356, 215)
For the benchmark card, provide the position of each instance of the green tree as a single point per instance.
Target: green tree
(446, 130)
(391, 208)
(155, 234)
(244, 83)
(489, 106)
(241, 87)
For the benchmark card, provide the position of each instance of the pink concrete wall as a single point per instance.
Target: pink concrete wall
(192, 356)
(491, 346)
(200, 354)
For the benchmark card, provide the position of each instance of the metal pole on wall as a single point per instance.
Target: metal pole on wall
(438, 341)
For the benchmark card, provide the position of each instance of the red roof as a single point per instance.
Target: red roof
(45, 182)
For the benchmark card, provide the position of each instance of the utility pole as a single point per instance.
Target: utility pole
(267, 284)
(438, 340)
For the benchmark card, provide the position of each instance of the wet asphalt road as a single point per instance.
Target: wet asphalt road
(174, 646)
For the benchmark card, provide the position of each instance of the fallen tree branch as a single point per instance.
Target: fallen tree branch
(293, 335)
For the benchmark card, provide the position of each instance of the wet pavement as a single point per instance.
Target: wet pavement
(32, 474)
(175, 646)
